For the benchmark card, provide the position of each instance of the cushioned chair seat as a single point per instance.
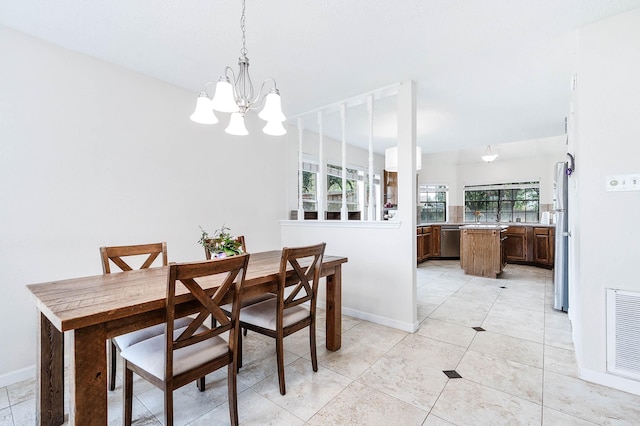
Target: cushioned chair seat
(126, 340)
(246, 301)
(150, 354)
(263, 314)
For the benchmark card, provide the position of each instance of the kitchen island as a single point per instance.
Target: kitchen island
(482, 249)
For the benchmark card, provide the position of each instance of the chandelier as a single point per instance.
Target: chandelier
(235, 95)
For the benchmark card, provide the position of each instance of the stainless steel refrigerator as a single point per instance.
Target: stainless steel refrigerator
(560, 269)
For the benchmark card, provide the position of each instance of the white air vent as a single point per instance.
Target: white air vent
(623, 333)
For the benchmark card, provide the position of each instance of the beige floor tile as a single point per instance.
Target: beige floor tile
(362, 405)
(412, 381)
(346, 324)
(423, 350)
(509, 348)
(21, 391)
(466, 403)
(6, 419)
(558, 338)
(375, 336)
(510, 377)
(352, 359)
(561, 361)
(520, 323)
(461, 311)
(433, 420)
(188, 402)
(589, 401)
(140, 414)
(425, 309)
(307, 391)
(253, 410)
(24, 412)
(259, 359)
(552, 417)
(4, 398)
(447, 332)
(531, 302)
(557, 319)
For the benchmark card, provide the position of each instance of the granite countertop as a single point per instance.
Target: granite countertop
(487, 224)
(484, 226)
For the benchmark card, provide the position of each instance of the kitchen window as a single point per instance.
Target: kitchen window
(433, 202)
(509, 202)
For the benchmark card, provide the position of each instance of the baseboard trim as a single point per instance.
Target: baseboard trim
(400, 325)
(17, 376)
(610, 380)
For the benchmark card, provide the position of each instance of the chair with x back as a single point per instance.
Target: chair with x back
(292, 310)
(245, 301)
(148, 255)
(184, 354)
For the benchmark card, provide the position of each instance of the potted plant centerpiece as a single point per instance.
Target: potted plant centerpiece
(222, 244)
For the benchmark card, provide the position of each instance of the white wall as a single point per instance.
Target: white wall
(604, 228)
(91, 155)
(377, 279)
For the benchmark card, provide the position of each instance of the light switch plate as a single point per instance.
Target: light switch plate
(629, 182)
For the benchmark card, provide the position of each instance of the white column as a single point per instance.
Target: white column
(322, 172)
(370, 208)
(300, 138)
(407, 184)
(343, 116)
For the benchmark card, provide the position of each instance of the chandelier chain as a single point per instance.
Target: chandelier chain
(243, 51)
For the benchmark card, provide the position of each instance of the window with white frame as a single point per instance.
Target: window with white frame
(310, 186)
(506, 202)
(354, 188)
(433, 202)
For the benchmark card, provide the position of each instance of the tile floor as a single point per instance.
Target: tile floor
(519, 371)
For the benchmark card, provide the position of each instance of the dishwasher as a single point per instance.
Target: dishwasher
(450, 241)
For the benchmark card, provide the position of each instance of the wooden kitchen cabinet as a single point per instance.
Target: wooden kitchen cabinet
(543, 245)
(435, 241)
(391, 187)
(424, 243)
(481, 252)
(516, 247)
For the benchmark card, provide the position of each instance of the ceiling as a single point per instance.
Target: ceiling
(487, 72)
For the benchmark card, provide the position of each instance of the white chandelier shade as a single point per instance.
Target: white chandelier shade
(234, 94)
(274, 128)
(224, 100)
(236, 125)
(272, 110)
(203, 113)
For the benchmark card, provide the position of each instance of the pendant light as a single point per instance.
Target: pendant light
(235, 94)
(489, 155)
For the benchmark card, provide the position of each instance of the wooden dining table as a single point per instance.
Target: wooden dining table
(94, 309)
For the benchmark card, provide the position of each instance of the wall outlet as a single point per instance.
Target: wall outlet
(629, 182)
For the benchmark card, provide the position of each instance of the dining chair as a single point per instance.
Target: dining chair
(116, 255)
(292, 310)
(181, 355)
(244, 301)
